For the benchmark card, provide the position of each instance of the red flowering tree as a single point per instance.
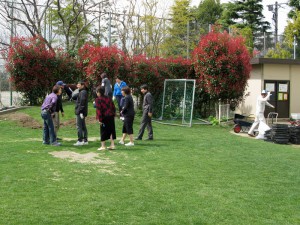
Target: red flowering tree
(35, 69)
(153, 71)
(222, 66)
(98, 59)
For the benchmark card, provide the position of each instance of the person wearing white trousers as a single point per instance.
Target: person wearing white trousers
(261, 103)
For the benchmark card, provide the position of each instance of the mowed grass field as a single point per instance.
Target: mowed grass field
(198, 175)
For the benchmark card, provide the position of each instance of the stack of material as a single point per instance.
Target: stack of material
(279, 134)
(268, 135)
(295, 135)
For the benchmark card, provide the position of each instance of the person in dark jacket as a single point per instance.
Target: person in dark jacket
(147, 114)
(48, 109)
(81, 112)
(128, 113)
(59, 108)
(106, 84)
(105, 114)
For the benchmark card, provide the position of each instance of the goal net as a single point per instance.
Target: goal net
(178, 102)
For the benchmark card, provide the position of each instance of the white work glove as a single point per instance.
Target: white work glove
(114, 98)
(81, 115)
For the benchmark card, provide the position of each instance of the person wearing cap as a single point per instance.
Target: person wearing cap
(66, 88)
(261, 102)
(59, 108)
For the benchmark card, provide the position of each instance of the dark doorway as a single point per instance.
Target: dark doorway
(280, 97)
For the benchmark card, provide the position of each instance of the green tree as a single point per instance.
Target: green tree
(71, 22)
(295, 5)
(208, 12)
(246, 13)
(228, 12)
(177, 43)
(246, 32)
(292, 30)
(250, 14)
(279, 53)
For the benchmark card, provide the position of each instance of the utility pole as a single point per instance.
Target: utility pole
(276, 23)
(274, 8)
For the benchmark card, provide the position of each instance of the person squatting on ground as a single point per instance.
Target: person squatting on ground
(147, 114)
(59, 108)
(261, 102)
(117, 94)
(105, 114)
(48, 112)
(128, 113)
(106, 84)
(81, 111)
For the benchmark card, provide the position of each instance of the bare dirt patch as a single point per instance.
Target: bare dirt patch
(72, 122)
(22, 119)
(25, 120)
(90, 157)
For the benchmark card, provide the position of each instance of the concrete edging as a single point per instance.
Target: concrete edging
(13, 109)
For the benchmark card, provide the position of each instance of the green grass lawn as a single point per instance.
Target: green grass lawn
(198, 175)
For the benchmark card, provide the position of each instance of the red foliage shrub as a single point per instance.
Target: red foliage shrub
(222, 66)
(98, 59)
(35, 69)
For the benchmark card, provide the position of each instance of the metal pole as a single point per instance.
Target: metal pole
(11, 37)
(138, 35)
(264, 43)
(193, 97)
(50, 26)
(219, 116)
(45, 25)
(183, 104)
(163, 103)
(294, 46)
(109, 30)
(187, 39)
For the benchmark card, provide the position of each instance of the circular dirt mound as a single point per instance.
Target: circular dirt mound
(23, 119)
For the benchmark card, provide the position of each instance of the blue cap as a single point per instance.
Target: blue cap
(60, 83)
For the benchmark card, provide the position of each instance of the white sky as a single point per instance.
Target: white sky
(282, 12)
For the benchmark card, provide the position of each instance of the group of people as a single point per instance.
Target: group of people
(105, 113)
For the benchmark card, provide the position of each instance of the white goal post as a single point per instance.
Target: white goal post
(178, 102)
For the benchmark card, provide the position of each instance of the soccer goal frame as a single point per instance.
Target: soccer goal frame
(183, 103)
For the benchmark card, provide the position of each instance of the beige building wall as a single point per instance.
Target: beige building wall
(277, 72)
(254, 88)
(295, 89)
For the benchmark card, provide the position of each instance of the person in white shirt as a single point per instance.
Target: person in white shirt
(261, 103)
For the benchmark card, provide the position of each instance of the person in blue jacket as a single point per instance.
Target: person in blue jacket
(117, 94)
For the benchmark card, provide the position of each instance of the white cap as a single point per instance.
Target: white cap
(264, 92)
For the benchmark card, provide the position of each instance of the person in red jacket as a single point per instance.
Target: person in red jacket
(105, 114)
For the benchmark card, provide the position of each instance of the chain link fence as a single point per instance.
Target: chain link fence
(8, 96)
(265, 42)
